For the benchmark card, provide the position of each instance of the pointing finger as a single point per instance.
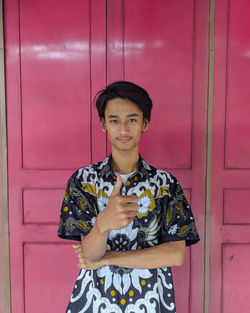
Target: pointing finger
(117, 186)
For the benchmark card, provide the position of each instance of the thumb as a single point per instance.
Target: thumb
(117, 186)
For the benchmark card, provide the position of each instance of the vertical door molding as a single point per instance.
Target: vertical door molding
(209, 154)
(115, 40)
(4, 231)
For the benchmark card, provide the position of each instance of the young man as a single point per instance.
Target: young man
(132, 219)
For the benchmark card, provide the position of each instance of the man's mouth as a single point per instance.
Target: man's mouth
(124, 139)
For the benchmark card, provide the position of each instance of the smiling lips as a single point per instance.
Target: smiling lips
(124, 139)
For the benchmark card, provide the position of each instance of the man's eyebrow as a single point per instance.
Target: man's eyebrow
(116, 116)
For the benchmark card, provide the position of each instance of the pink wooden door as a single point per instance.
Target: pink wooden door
(58, 54)
(164, 47)
(230, 214)
(54, 50)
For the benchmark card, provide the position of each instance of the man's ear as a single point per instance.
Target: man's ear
(103, 124)
(145, 124)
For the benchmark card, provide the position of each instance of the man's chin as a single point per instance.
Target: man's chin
(121, 147)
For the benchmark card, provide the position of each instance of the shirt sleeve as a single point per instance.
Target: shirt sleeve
(78, 211)
(178, 221)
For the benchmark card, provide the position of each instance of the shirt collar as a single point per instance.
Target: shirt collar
(106, 167)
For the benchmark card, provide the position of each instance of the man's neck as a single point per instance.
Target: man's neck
(125, 162)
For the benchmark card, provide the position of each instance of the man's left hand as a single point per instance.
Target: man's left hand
(83, 262)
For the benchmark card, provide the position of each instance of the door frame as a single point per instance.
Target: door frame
(4, 222)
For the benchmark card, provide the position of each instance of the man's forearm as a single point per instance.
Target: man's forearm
(163, 255)
(94, 245)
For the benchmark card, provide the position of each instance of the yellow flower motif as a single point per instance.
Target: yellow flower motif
(163, 191)
(102, 199)
(123, 301)
(67, 193)
(128, 183)
(69, 225)
(131, 293)
(106, 168)
(82, 204)
(169, 215)
(65, 209)
(184, 230)
(113, 293)
(82, 225)
(123, 282)
(90, 188)
(146, 203)
(179, 207)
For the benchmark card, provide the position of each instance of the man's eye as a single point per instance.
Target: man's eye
(132, 120)
(114, 121)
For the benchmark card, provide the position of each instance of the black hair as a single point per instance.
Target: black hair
(124, 90)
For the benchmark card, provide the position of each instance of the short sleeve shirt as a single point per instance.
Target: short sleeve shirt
(163, 215)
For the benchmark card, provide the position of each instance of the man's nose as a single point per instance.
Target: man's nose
(123, 126)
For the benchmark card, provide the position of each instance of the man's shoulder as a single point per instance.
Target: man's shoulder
(88, 171)
(159, 173)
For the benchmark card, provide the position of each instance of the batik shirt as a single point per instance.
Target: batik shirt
(163, 215)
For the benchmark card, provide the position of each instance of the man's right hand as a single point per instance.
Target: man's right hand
(119, 211)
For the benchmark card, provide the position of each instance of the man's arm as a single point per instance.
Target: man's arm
(163, 255)
(118, 213)
(95, 243)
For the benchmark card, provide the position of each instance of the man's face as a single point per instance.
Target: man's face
(124, 124)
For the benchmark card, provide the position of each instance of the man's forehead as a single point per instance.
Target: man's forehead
(121, 108)
(117, 116)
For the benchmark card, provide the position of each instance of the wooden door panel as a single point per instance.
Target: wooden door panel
(182, 283)
(49, 277)
(43, 201)
(163, 48)
(237, 126)
(53, 129)
(230, 227)
(55, 78)
(55, 63)
(236, 208)
(159, 55)
(235, 281)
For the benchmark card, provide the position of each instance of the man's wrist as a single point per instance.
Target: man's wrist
(100, 226)
(106, 259)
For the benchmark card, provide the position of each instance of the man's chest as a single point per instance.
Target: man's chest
(145, 228)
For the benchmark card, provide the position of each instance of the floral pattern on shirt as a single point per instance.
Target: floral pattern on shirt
(164, 215)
